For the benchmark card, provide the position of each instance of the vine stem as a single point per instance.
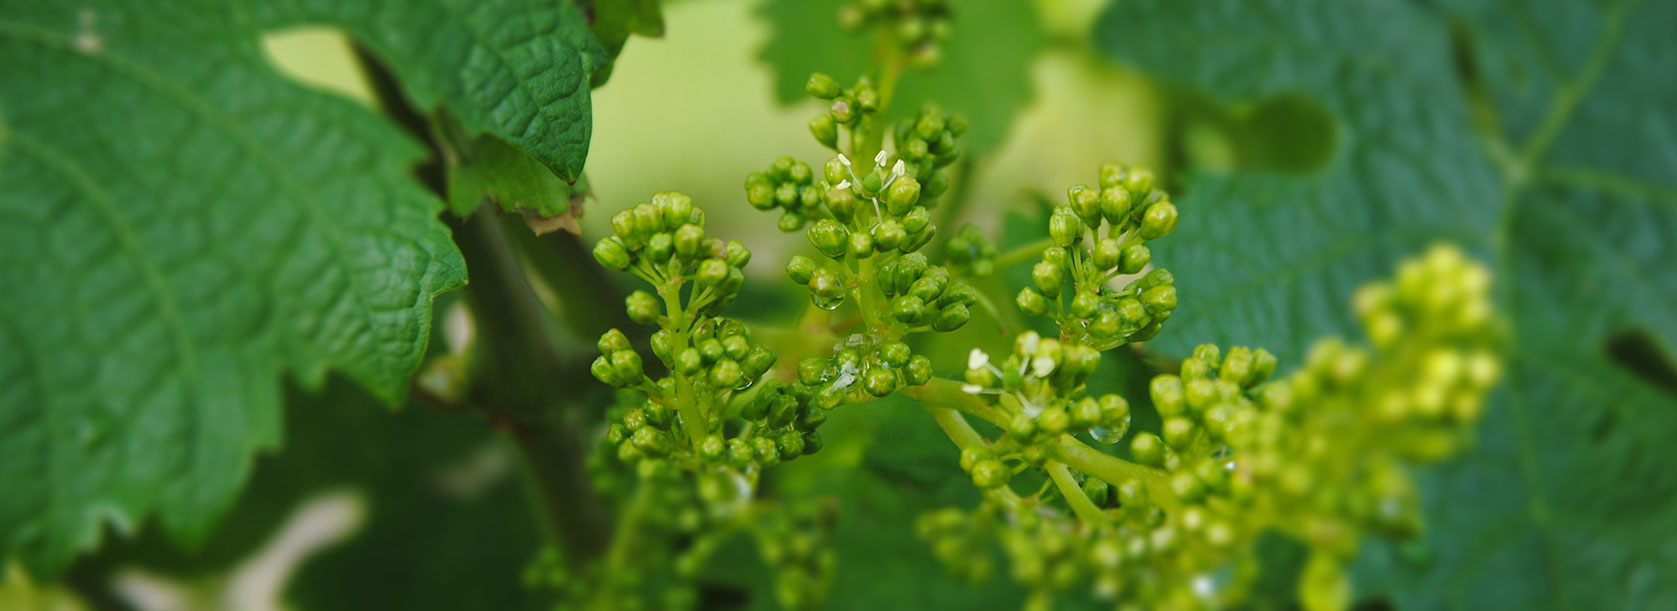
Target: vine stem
(518, 375)
(1022, 254)
(1080, 503)
(943, 394)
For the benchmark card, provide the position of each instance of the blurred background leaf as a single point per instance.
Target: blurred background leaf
(1499, 125)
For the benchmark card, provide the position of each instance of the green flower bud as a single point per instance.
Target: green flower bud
(1053, 420)
(821, 86)
(660, 247)
(786, 195)
(895, 354)
(811, 370)
(740, 453)
(879, 381)
(678, 208)
(918, 371)
(611, 254)
(1106, 253)
(735, 254)
(889, 234)
(759, 192)
(647, 219)
(1055, 255)
(1085, 413)
(1148, 449)
(1085, 304)
(903, 192)
(1139, 180)
(1159, 221)
(843, 110)
(1105, 324)
(650, 441)
(627, 365)
(1084, 201)
(711, 349)
(801, 268)
(908, 309)
(917, 240)
(861, 244)
(1135, 259)
(873, 182)
(825, 130)
(1160, 298)
(1263, 365)
(726, 373)
(1048, 277)
(612, 341)
(835, 170)
(663, 344)
(826, 286)
(990, 473)
(643, 308)
(1168, 395)
(790, 222)
(868, 100)
(1115, 205)
(1132, 313)
(1178, 432)
(689, 362)
(603, 371)
(917, 219)
(688, 239)
(842, 203)
(1200, 393)
(791, 445)
(623, 225)
(1115, 413)
(951, 318)
(931, 285)
(712, 272)
(1032, 302)
(830, 238)
(1064, 227)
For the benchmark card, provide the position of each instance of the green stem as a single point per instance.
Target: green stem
(944, 393)
(1113, 470)
(1022, 254)
(518, 376)
(1080, 503)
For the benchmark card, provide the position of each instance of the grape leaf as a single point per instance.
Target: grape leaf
(517, 69)
(1560, 174)
(612, 21)
(181, 223)
(985, 72)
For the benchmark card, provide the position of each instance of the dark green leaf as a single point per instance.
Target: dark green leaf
(1559, 172)
(182, 224)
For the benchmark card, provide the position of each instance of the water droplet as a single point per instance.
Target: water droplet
(1102, 434)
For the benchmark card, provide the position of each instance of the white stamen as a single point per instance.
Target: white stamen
(977, 358)
(843, 184)
(972, 389)
(879, 159)
(844, 160)
(899, 169)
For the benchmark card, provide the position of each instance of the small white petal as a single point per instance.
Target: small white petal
(977, 358)
(1042, 366)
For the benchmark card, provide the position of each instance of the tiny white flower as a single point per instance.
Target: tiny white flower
(977, 358)
(1042, 366)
